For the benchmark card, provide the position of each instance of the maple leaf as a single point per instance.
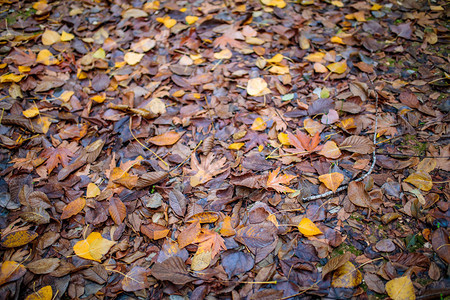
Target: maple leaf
(303, 143)
(210, 240)
(275, 182)
(56, 156)
(206, 170)
(229, 38)
(254, 139)
(26, 163)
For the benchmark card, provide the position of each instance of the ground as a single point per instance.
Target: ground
(208, 149)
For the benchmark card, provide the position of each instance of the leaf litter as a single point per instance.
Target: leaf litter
(261, 149)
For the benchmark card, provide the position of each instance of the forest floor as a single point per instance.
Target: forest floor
(224, 149)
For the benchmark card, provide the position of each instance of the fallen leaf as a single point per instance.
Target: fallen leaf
(358, 195)
(400, 289)
(420, 180)
(50, 37)
(11, 271)
(338, 67)
(358, 144)
(65, 36)
(335, 263)
(224, 54)
(259, 125)
(308, 228)
(132, 58)
(18, 238)
(172, 269)
(73, 208)
(332, 180)
(257, 87)
(275, 182)
(154, 231)
(191, 19)
(166, 139)
(346, 276)
(93, 247)
(31, 112)
(135, 279)
(92, 190)
(45, 293)
(330, 150)
(206, 170)
(117, 210)
(44, 266)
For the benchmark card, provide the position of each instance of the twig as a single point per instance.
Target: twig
(374, 158)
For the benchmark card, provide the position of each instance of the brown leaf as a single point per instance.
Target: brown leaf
(73, 208)
(117, 210)
(172, 269)
(275, 182)
(150, 178)
(358, 195)
(44, 266)
(441, 244)
(177, 202)
(38, 216)
(335, 263)
(207, 169)
(135, 280)
(357, 144)
(347, 276)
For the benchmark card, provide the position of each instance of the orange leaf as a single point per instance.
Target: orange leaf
(206, 170)
(189, 235)
(227, 229)
(258, 124)
(73, 208)
(332, 180)
(117, 210)
(154, 231)
(10, 271)
(303, 143)
(275, 182)
(210, 240)
(330, 150)
(204, 217)
(308, 228)
(18, 238)
(166, 139)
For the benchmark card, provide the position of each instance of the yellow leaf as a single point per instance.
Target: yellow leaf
(45, 293)
(92, 190)
(308, 228)
(132, 58)
(254, 40)
(338, 67)
(337, 3)
(65, 36)
(236, 146)
(45, 123)
(435, 8)
(359, 16)
(332, 180)
(427, 165)
(81, 75)
(224, 54)
(346, 276)
(201, 260)
(17, 238)
(99, 54)
(99, 98)
(420, 180)
(272, 218)
(280, 70)
(169, 23)
(49, 37)
(11, 78)
(258, 124)
(93, 247)
(257, 87)
(315, 57)
(45, 57)
(400, 289)
(376, 6)
(283, 139)
(184, 9)
(337, 40)
(66, 95)
(31, 112)
(24, 69)
(152, 5)
(276, 59)
(277, 3)
(191, 19)
(3, 65)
